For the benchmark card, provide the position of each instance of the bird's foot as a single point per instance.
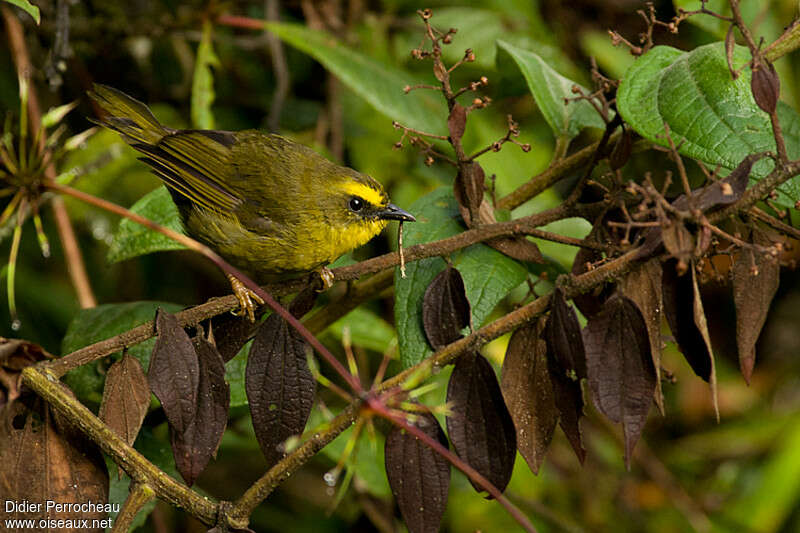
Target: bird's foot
(246, 298)
(326, 276)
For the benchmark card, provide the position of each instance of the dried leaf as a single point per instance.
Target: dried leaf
(566, 363)
(622, 150)
(231, 333)
(590, 302)
(418, 476)
(126, 397)
(194, 447)
(279, 386)
(699, 316)
(445, 308)
(643, 286)
(518, 247)
(43, 460)
(16, 354)
(174, 371)
(766, 87)
(756, 277)
(528, 392)
(468, 190)
(622, 377)
(678, 241)
(564, 340)
(456, 122)
(678, 296)
(569, 401)
(479, 425)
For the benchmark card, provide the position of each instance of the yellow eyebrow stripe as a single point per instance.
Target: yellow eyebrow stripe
(366, 192)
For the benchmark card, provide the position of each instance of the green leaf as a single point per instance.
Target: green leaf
(367, 458)
(488, 274)
(234, 375)
(100, 323)
(203, 82)
(711, 117)
(549, 89)
(28, 8)
(367, 330)
(132, 239)
(768, 501)
(378, 84)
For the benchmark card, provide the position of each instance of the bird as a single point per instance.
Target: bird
(269, 206)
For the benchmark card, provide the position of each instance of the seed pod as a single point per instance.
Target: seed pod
(621, 152)
(766, 87)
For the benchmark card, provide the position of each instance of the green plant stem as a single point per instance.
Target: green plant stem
(788, 41)
(138, 496)
(58, 396)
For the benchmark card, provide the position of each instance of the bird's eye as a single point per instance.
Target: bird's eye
(356, 204)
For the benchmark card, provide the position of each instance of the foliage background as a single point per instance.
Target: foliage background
(742, 474)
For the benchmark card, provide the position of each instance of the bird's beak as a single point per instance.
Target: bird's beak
(392, 212)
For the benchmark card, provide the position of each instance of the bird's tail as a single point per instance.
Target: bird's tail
(128, 116)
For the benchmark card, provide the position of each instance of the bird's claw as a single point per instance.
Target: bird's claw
(246, 298)
(326, 275)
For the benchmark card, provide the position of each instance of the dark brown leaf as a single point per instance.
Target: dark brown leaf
(528, 392)
(563, 336)
(622, 150)
(42, 460)
(126, 397)
(479, 425)
(468, 190)
(194, 447)
(418, 476)
(756, 277)
(643, 286)
(231, 333)
(456, 122)
(622, 377)
(445, 308)
(279, 386)
(766, 86)
(569, 401)
(678, 295)
(174, 372)
(518, 247)
(566, 363)
(592, 301)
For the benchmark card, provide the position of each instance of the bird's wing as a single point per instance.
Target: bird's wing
(196, 164)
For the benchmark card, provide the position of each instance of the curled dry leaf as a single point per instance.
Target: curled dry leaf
(683, 308)
(445, 308)
(766, 86)
(479, 424)
(279, 386)
(16, 354)
(468, 190)
(621, 151)
(528, 392)
(126, 397)
(418, 476)
(174, 372)
(457, 122)
(194, 447)
(622, 377)
(756, 277)
(643, 286)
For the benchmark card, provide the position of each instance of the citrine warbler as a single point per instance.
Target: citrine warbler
(269, 206)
